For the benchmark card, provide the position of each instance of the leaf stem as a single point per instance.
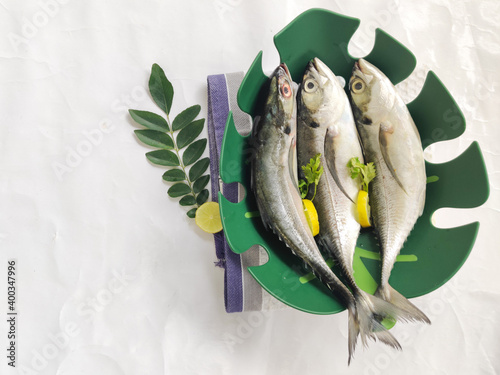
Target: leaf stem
(181, 163)
(315, 189)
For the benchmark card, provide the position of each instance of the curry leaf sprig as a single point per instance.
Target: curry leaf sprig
(312, 173)
(365, 172)
(172, 137)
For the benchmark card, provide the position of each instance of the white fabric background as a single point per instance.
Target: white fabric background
(113, 278)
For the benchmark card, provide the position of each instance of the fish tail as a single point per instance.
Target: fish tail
(353, 331)
(405, 309)
(386, 337)
(370, 311)
(364, 321)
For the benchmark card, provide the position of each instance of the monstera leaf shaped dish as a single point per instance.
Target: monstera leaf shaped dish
(431, 256)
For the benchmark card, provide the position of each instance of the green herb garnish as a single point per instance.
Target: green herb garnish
(170, 138)
(312, 173)
(365, 172)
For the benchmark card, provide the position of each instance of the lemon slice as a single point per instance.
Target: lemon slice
(208, 217)
(363, 209)
(311, 216)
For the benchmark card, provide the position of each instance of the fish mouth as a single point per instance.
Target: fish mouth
(285, 70)
(315, 64)
(319, 66)
(356, 66)
(309, 69)
(363, 67)
(360, 67)
(315, 69)
(360, 70)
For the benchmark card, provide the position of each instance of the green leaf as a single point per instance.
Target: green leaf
(187, 200)
(370, 173)
(161, 89)
(178, 190)
(189, 133)
(185, 117)
(194, 151)
(163, 157)
(200, 183)
(202, 197)
(198, 168)
(303, 188)
(149, 120)
(174, 175)
(312, 173)
(155, 138)
(192, 212)
(366, 172)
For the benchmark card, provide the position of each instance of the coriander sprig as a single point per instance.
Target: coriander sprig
(365, 172)
(312, 173)
(170, 138)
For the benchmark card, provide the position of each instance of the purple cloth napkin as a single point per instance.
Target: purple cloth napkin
(241, 291)
(218, 110)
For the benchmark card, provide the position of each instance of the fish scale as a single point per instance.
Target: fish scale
(382, 206)
(335, 227)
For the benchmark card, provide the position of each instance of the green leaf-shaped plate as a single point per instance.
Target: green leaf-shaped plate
(431, 256)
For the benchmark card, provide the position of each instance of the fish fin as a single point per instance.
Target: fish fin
(407, 310)
(385, 135)
(264, 217)
(254, 143)
(380, 309)
(306, 266)
(353, 333)
(331, 133)
(257, 125)
(362, 322)
(265, 220)
(292, 164)
(370, 310)
(387, 338)
(277, 233)
(322, 245)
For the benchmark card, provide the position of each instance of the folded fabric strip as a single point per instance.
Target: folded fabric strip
(241, 291)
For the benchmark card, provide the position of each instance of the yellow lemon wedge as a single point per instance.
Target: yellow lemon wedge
(311, 216)
(208, 217)
(363, 209)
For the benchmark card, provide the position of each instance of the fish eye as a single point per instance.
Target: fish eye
(358, 86)
(286, 91)
(310, 85)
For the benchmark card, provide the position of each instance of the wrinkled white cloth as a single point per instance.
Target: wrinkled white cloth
(112, 276)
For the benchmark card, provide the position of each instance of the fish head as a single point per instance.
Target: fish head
(371, 93)
(280, 104)
(320, 95)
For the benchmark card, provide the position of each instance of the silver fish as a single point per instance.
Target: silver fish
(325, 125)
(275, 187)
(397, 194)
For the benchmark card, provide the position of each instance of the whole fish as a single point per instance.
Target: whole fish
(325, 125)
(397, 194)
(275, 186)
